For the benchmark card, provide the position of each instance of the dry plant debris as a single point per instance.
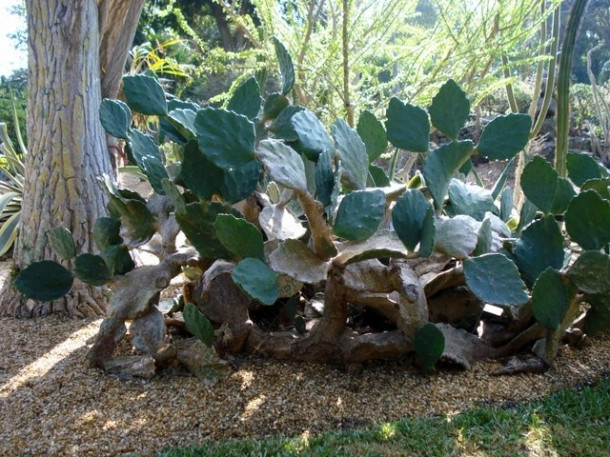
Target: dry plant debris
(52, 403)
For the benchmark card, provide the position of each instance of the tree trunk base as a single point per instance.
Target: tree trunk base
(82, 301)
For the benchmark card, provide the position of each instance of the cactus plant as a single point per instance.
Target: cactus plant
(310, 224)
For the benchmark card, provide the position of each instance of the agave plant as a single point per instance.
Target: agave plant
(11, 186)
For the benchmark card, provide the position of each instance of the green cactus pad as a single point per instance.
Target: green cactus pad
(197, 223)
(457, 236)
(246, 99)
(373, 135)
(408, 217)
(442, 164)
(564, 193)
(283, 164)
(598, 316)
(239, 236)
(540, 246)
(450, 109)
(198, 173)
(325, 178)
(173, 193)
(485, 238)
(470, 200)
(550, 299)
(588, 220)
(274, 106)
(428, 238)
(360, 214)
(582, 167)
(145, 95)
(378, 176)
(407, 126)
(539, 182)
(62, 243)
(506, 204)
(118, 260)
(526, 215)
(106, 232)
(44, 281)
(354, 158)
(91, 269)
(591, 272)
(183, 119)
(115, 117)
(494, 279)
(286, 66)
(429, 345)
(312, 138)
(135, 217)
(240, 182)
(295, 259)
(599, 185)
(198, 324)
(258, 280)
(505, 136)
(225, 137)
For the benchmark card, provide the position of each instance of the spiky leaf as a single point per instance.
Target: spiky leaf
(118, 260)
(257, 280)
(135, 217)
(145, 153)
(360, 214)
(239, 236)
(408, 217)
(588, 220)
(450, 109)
(599, 185)
(380, 179)
(494, 279)
(145, 95)
(563, 195)
(352, 151)
(484, 242)
(62, 243)
(550, 299)
(283, 164)
(286, 65)
(505, 136)
(539, 183)
(225, 137)
(44, 281)
(540, 246)
(312, 138)
(198, 324)
(246, 99)
(407, 126)
(115, 117)
(598, 316)
(373, 135)
(591, 272)
(275, 104)
(183, 119)
(429, 345)
(325, 178)
(442, 164)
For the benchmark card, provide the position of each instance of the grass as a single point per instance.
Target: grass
(567, 423)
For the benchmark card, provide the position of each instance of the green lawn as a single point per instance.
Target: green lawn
(568, 423)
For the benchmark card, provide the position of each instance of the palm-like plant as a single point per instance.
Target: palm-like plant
(11, 186)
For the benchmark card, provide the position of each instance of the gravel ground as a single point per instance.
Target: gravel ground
(51, 403)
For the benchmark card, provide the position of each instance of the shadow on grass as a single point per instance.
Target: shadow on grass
(567, 423)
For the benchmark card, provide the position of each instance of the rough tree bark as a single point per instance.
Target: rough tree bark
(77, 51)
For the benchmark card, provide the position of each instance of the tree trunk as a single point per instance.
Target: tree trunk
(67, 145)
